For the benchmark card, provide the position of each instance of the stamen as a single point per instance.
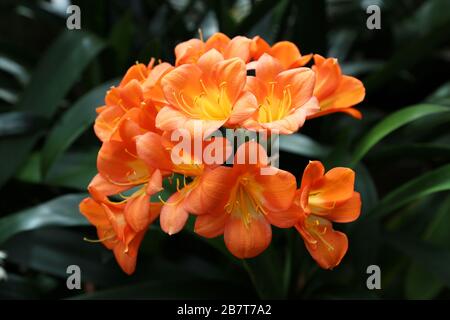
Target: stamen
(99, 240)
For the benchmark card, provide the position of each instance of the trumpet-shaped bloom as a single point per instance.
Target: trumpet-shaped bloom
(114, 231)
(285, 52)
(190, 51)
(188, 197)
(336, 92)
(324, 198)
(206, 95)
(140, 88)
(248, 198)
(285, 98)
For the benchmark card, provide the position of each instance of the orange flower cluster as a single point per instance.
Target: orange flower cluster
(209, 87)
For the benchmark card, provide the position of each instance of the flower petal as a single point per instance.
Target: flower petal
(94, 212)
(232, 72)
(336, 185)
(286, 52)
(268, 68)
(211, 191)
(346, 211)
(277, 189)
(173, 215)
(210, 225)
(325, 245)
(137, 212)
(300, 82)
(247, 240)
(244, 107)
(188, 51)
(126, 256)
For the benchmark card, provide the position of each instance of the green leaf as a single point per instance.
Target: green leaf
(433, 181)
(72, 124)
(265, 271)
(14, 68)
(391, 123)
(303, 145)
(426, 151)
(18, 123)
(432, 33)
(51, 81)
(418, 284)
(435, 260)
(56, 72)
(259, 11)
(75, 169)
(61, 211)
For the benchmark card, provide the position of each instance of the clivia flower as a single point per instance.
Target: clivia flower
(249, 198)
(336, 92)
(324, 198)
(285, 97)
(211, 87)
(208, 94)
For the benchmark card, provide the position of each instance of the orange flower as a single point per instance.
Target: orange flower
(115, 232)
(188, 197)
(285, 52)
(140, 88)
(190, 51)
(206, 95)
(321, 199)
(117, 160)
(285, 98)
(335, 92)
(246, 202)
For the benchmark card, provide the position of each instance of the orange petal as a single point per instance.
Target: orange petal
(286, 52)
(233, 73)
(106, 122)
(131, 95)
(349, 92)
(173, 215)
(244, 107)
(210, 193)
(100, 188)
(300, 82)
(188, 51)
(207, 61)
(184, 79)
(328, 76)
(218, 41)
(284, 219)
(325, 245)
(250, 154)
(293, 121)
(247, 240)
(126, 256)
(119, 165)
(268, 68)
(258, 47)
(93, 211)
(137, 212)
(211, 225)
(169, 119)
(277, 189)
(336, 185)
(346, 211)
(238, 47)
(137, 72)
(257, 87)
(150, 148)
(313, 172)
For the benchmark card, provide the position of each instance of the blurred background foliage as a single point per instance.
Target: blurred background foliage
(51, 80)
